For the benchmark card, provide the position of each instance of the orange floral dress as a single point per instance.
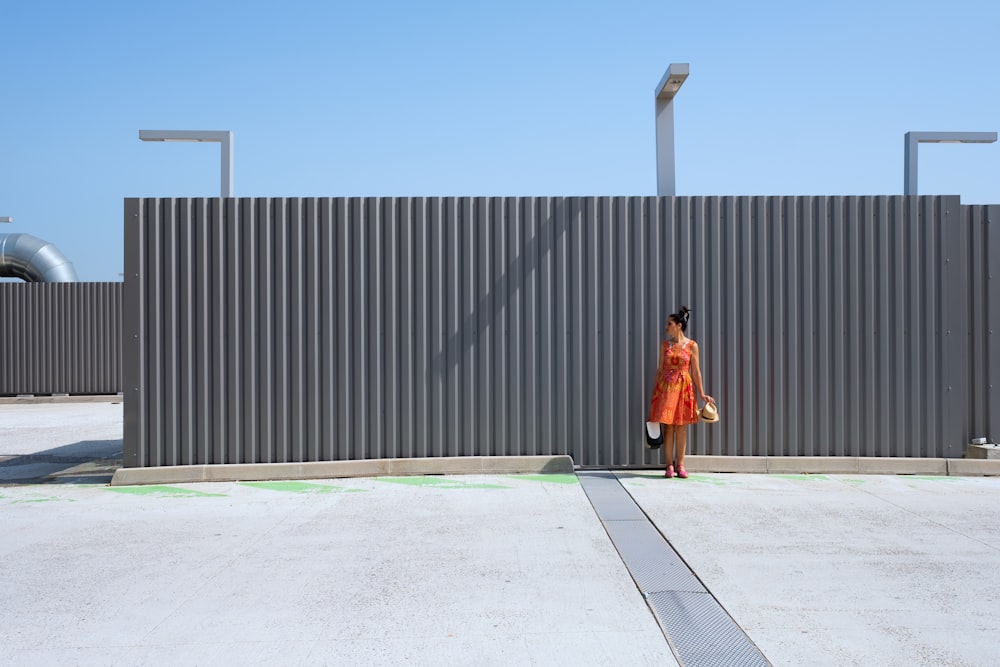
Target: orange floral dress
(673, 395)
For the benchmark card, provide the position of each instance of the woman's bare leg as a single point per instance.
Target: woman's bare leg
(668, 443)
(682, 439)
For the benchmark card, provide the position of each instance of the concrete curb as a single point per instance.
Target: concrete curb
(252, 472)
(841, 465)
(973, 467)
(495, 465)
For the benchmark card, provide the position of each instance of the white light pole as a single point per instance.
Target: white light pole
(224, 137)
(6, 218)
(671, 82)
(911, 139)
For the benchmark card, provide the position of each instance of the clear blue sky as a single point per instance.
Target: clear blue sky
(517, 97)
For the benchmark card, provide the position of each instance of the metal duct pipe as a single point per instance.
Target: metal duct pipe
(33, 260)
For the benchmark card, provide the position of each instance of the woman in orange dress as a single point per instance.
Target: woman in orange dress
(678, 375)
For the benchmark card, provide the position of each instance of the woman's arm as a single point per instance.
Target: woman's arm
(696, 374)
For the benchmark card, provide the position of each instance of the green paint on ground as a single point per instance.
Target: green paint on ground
(638, 478)
(934, 478)
(649, 474)
(705, 479)
(822, 478)
(49, 499)
(853, 482)
(162, 491)
(553, 478)
(299, 487)
(437, 483)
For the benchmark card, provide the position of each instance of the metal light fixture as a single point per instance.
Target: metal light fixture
(224, 137)
(912, 139)
(671, 82)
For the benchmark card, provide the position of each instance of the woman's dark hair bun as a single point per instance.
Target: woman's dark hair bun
(682, 316)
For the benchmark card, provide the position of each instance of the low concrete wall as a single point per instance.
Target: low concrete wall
(846, 465)
(500, 465)
(451, 465)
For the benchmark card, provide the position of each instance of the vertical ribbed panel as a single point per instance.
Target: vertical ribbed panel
(60, 338)
(983, 408)
(268, 330)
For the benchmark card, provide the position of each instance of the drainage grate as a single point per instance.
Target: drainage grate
(606, 492)
(650, 560)
(700, 632)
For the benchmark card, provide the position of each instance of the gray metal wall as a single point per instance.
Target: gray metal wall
(264, 330)
(983, 370)
(60, 338)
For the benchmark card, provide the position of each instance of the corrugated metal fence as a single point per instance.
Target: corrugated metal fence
(981, 227)
(60, 338)
(271, 330)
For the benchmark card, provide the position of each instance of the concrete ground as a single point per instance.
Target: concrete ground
(473, 569)
(60, 441)
(841, 569)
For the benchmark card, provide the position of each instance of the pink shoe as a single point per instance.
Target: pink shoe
(669, 473)
(682, 473)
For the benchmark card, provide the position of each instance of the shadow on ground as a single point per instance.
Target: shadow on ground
(84, 462)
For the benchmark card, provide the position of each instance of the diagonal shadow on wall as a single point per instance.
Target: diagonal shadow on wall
(543, 306)
(500, 306)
